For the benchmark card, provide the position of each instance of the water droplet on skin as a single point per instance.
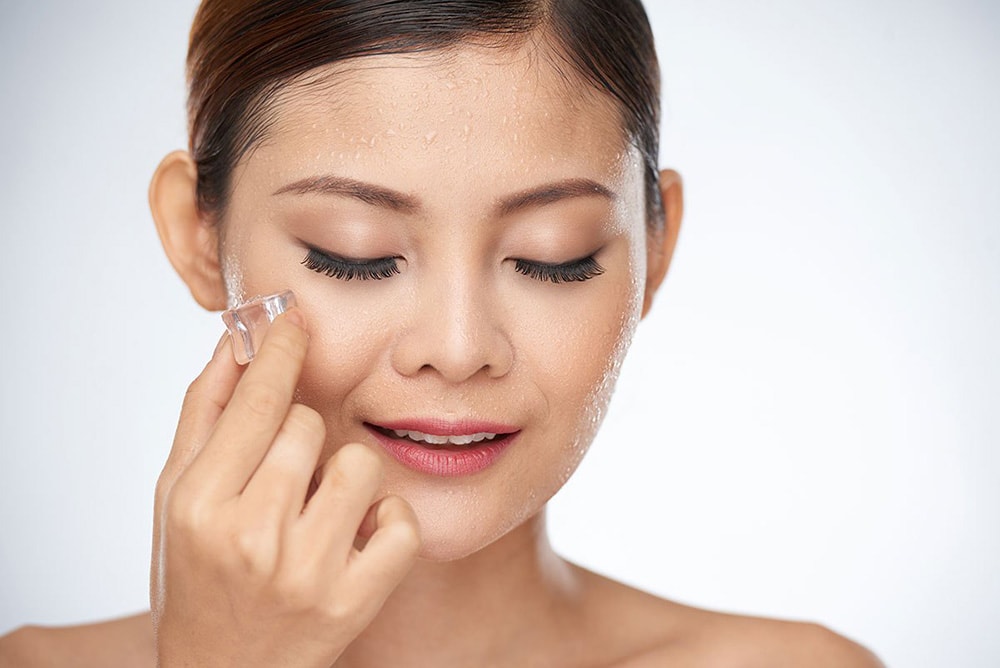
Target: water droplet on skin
(429, 138)
(233, 278)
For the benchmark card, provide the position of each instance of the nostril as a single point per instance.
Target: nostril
(456, 348)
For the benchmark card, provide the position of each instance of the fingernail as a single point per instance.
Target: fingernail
(221, 345)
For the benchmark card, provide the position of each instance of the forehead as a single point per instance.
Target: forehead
(466, 114)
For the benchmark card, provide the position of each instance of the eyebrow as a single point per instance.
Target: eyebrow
(382, 197)
(369, 193)
(551, 193)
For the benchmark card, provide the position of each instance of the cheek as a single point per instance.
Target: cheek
(348, 335)
(577, 354)
(348, 344)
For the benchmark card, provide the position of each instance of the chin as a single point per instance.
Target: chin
(452, 547)
(443, 551)
(456, 525)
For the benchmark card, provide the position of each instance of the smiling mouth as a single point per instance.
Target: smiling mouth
(441, 441)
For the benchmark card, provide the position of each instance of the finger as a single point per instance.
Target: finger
(390, 551)
(256, 411)
(367, 528)
(350, 480)
(278, 488)
(204, 402)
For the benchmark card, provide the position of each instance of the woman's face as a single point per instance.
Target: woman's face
(462, 176)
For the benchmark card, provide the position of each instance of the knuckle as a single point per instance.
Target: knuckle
(334, 473)
(191, 394)
(194, 394)
(185, 512)
(288, 341)
(256, 550)
(358, 458)
(411, 539)
(352, 464)
(407, 542)
(298, 589)
(307, 421)
(262, 400)
(337, 611)
(406, 528)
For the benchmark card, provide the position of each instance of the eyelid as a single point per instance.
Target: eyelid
(557, 265)
(587, 257)
(347, 269)
(337, 257)
(573, 271)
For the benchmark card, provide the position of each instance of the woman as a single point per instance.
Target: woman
(465, 199)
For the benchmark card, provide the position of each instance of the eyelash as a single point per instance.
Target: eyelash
(346, 270)
(385, 267)
(568, 272)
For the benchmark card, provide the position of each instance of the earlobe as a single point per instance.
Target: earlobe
(190, 241)
(660, 243)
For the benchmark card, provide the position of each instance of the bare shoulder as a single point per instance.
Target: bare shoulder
(734, 641)
(805, 644)
(652, 632)
(124, 642)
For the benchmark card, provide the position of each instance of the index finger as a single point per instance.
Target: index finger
(260, 402)
(206, 398)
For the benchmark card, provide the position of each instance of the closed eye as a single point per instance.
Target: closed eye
(347, 269)
(567, 272)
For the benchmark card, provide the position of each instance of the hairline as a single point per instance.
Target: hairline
(263, 109)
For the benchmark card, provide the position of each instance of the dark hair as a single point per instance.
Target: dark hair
(242, 53)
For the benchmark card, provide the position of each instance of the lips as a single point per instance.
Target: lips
(436, 440)
(444, 447)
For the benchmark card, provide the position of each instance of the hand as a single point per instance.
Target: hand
(248, 569)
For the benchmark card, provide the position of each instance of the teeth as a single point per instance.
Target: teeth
(434, 439)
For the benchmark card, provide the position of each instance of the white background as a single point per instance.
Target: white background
(807, 424)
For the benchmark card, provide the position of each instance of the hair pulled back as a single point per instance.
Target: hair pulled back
(242, 52)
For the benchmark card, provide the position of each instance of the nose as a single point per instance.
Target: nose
(454, 330)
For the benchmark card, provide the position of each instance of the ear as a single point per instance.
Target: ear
(660, 242)
(189, 239)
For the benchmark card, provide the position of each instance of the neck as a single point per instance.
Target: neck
(511, 597)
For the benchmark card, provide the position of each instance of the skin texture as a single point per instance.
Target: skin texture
(457, 333)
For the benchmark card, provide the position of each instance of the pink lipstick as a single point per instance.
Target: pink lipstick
(443, 447)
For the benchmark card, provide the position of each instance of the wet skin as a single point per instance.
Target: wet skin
(458, 333)
(470, 167)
